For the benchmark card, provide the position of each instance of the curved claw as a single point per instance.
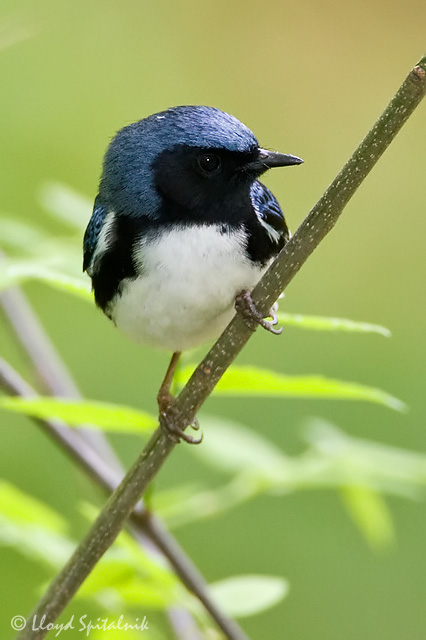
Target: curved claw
(195, 424)
(269, 326)
(251, 316)
(177, 434)
(190, 439)
(273, 315)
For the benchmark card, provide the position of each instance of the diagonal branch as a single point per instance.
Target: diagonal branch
(92, 451)
(318, 223)
(49, 367)
(146, 527)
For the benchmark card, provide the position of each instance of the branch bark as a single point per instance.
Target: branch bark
(146, 527)
(318, 223)
(49, 367)
(92, 451)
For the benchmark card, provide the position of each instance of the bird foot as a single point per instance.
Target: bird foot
(168, 418)
(245, 305)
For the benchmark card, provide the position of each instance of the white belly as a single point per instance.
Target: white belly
(185, 295)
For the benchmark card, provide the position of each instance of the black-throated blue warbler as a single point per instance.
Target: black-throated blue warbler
(181, 228)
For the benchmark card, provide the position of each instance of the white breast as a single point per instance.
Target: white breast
(185, 293)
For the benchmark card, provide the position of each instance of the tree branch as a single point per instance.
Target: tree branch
(99, 459)
(147, 528)
(318, 223)
(92, 451)
(48, 365)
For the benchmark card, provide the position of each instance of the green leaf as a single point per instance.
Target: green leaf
(65, 203)
(18, 271)
(360, 468)
(76, 286)
(138, 558)
(109, 572)
(251, 381)
(204, 504)
(370, 513)
(242, 596)
(368, 463)
(36, 542)
(32, 528)
(232, 447)
(109, 417)
(21, 508)
(146, 593)
(323, 323)
(168, 501)
(14, 271)
(16, 234)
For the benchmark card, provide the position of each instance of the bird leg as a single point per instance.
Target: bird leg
(164, 395)
(245, 305)
(169, 413)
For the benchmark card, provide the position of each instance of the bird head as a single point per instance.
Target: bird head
(190, 159)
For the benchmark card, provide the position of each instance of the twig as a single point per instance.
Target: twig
(47, 362)
(147, 528)
(70, 440)
(99, 459)
(317, 224)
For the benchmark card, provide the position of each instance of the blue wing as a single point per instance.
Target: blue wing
(93, 231)
(269, 213)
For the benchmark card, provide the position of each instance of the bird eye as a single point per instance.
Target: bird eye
(209, 162)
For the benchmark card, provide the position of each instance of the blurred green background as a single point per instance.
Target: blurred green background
(309, 78)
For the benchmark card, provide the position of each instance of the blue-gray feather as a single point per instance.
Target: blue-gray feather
(93, 231)
(127, 177)
(268, 209)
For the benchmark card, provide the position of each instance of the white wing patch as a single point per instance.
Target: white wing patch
(103, 243)
(272, 233)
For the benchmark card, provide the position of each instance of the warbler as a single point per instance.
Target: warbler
(181, 226)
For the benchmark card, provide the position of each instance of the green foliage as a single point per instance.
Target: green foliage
(370, 513)
(32, 528)
(20, 508)
(65, 204)
(247, 595)
(254, 382)
(110, 417)
(237, 381)
(321, 323)
(361, 473)
(17, 271)
(33, 254)
(127, 576)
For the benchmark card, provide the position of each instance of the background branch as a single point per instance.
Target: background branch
(92, 451)
(317, 224)
(47, 363)
(146, 527)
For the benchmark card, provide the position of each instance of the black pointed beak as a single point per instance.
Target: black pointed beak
(274, 159)
(268, 159)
